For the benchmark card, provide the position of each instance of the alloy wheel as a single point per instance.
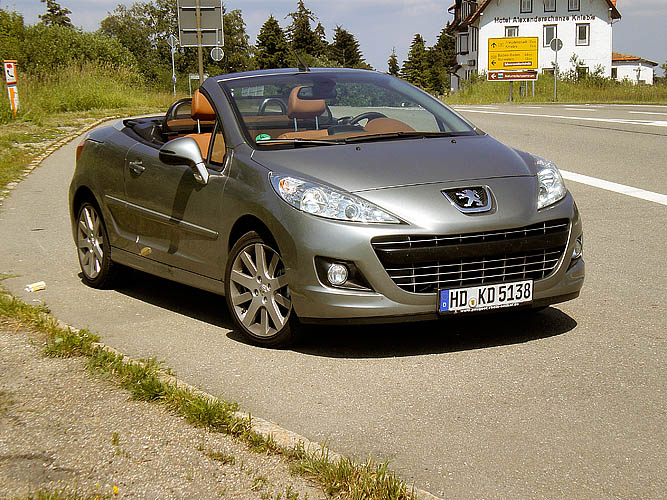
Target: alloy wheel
(90, 241)
(259, 294)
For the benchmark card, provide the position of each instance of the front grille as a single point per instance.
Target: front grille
(425, 263)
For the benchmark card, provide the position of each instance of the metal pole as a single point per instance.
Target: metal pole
(556, 79)
(511, 91)
(200, 54)
(173, 68)
(533, 88)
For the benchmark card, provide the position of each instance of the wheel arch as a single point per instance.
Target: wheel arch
(249, 223)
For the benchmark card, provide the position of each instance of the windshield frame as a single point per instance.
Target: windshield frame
(441, 113)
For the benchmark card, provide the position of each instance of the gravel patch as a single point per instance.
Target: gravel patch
(61, 426)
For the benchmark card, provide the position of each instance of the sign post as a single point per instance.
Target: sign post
(513, 59)
(556, 44)
(173, 41)
(200, 24)
(12, 91)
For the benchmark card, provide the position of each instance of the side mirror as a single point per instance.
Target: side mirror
(185, 150)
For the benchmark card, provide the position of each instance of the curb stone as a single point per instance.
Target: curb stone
(283, 437)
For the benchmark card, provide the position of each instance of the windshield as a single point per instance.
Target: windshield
(330, 107)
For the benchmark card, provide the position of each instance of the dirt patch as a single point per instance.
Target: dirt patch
(61, 426)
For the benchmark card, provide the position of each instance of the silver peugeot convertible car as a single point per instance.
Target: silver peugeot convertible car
(326, 195)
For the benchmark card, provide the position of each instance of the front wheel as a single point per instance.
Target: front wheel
(257, 293)
(93, 247)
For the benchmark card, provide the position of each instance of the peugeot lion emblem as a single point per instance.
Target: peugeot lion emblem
(469, 199)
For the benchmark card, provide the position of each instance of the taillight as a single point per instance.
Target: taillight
(79, 148)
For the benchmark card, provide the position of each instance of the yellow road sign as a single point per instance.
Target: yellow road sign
(513, 53)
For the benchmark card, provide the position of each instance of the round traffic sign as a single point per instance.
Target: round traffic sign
(217, 54)
(556, 44)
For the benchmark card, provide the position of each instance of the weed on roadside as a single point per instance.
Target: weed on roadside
(146, 380)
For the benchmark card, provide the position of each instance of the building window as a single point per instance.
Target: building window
(526, 6)
(548, 71)
(583, 34)
(582, 71)
(474, 35)
(550, 32)
(511, 31)
(463, 43)
(549, 5)
(614, 73)
(573, 5)
(470, 73)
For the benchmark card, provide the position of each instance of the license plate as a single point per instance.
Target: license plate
(480, 298)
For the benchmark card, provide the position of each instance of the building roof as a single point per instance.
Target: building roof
(615, 14)
(618, 57)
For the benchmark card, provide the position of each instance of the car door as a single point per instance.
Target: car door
(176, 218)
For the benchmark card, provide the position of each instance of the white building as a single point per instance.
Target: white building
(632, 68)
(584, 27)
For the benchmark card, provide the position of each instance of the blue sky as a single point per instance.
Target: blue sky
(380, 25)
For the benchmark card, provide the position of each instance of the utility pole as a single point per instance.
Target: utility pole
(200, 54)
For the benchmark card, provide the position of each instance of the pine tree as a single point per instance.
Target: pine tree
(416, 65)
(392, 63)
(345, 50)
(301, 36)
(441, 57)
(56, 15)
(321, 45)
(272, 48)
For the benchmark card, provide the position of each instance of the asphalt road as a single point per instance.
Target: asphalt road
(568, 403)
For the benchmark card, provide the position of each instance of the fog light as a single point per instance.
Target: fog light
(337, 274)
(578, 248)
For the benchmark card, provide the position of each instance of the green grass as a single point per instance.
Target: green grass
(54, 105)
(590, 90)
(147, 380)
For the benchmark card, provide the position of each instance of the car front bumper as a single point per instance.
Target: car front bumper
(306, 238)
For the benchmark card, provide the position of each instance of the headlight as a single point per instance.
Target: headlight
(551, 187)
(325, 202)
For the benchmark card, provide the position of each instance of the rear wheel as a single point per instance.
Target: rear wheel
(257, 293)
(93, 247)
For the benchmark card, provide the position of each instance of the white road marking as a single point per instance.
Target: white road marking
(648, 123)
(616, 188)
(581, 109)
(646, 113)
(530, 107)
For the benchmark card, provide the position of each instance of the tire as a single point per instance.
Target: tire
(257, 293)
(93, 248)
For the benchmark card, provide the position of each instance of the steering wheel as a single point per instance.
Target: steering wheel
(369, 115)
(270, 100)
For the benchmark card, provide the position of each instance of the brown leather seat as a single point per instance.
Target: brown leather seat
(387, 125)
(304, 109)
(202, 111)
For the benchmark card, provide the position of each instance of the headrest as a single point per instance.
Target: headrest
(201, 108)
(303, 108)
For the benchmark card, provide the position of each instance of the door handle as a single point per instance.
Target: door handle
(137, 167)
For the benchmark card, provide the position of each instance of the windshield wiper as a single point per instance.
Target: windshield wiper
(400, 135)
(301, 142)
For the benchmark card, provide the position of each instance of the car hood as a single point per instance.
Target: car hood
(405, 162)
